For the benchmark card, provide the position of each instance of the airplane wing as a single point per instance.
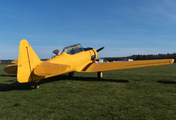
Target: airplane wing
(49, 69)
(97, 67)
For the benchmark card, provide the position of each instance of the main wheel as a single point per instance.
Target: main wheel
(71, 74)
(100, 74)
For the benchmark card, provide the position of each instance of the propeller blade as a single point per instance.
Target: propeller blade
(100, 49)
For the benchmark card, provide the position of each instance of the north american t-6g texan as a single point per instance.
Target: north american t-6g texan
(74, 58)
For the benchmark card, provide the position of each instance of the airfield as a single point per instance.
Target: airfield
(138, 93)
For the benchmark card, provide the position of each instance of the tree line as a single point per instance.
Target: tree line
(151, 56)
(145, 57)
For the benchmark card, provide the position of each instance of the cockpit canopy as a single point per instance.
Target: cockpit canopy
(73, 49)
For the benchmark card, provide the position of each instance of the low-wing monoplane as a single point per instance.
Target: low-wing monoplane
(74, 58)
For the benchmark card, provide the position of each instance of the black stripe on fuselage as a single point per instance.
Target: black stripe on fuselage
(87, 67)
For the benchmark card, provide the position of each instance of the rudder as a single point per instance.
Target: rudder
(27, 60)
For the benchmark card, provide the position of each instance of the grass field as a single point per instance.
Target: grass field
(141, 93)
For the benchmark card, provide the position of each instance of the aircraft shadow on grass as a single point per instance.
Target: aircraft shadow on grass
(8, 75)
(167, 82)
(30, 85)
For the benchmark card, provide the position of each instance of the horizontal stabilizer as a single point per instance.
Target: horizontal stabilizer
(11, 69)
(15, 61)
(49, 69)
(96, 67)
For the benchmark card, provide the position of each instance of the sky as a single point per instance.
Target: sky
(123, 27)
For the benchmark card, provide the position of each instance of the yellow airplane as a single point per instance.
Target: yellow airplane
(74, 58)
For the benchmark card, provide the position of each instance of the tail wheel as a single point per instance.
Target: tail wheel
(100, 74)
(71, 74)
(37, 86)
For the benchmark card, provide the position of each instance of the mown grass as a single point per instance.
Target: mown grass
(141, 93)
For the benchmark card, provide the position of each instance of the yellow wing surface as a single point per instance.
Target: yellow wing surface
(96, 67)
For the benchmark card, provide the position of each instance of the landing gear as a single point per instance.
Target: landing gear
(99, 74)
(71, 74)
(37, 86)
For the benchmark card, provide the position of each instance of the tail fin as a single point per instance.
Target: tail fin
(27, 60)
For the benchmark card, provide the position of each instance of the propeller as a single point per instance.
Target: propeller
(100, 49)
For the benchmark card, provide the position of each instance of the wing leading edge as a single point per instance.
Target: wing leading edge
(96, 67)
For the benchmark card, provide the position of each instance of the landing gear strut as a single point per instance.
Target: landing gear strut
(99, 74)
(36, 86)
